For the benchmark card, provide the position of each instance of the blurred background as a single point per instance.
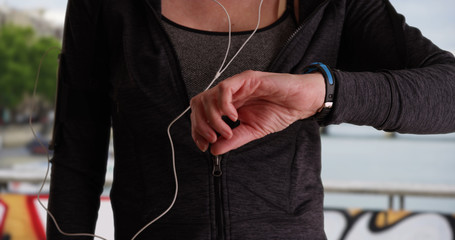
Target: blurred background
(352, 156)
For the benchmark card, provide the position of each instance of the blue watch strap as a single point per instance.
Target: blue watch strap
(329, 87)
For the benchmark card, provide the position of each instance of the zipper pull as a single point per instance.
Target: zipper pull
(217, 166)
(217, 159)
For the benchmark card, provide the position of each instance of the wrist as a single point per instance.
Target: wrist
(325, 109)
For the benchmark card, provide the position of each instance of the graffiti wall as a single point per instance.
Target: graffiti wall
(22, 218)
(400, 225)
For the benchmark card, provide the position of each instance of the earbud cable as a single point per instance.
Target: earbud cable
(48, 157)
(222, 68)
(217, 75)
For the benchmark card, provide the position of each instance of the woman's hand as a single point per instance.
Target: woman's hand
(263, 102)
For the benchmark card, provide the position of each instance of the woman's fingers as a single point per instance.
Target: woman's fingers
(263, 102)
(201, 143)
(209, 107)
(241, 136)
(206, 120)
(201, 129)
(213, 114)
(234, 90)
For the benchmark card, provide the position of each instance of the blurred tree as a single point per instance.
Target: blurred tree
(20, 54)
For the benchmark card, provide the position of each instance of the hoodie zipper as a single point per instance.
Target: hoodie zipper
(218, 189)
(216, 171)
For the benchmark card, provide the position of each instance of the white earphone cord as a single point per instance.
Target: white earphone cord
(217, 75)
(49, 159)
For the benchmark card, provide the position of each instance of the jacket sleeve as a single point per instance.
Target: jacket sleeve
(390, 76)
(82, 127)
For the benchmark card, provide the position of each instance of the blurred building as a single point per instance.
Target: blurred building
(33, 18)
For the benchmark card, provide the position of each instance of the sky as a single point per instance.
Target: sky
(434, 18)
(55, 9)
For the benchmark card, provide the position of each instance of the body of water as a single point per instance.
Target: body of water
(352, 153)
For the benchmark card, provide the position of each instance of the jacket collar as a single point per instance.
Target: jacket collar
(155, 4)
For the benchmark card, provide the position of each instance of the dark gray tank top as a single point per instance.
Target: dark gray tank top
(201, 53)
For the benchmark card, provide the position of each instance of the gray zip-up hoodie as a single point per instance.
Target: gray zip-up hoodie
(118, 68)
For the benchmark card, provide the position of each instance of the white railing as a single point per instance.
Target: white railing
(30, 176)
(392, 190)
(429, 190)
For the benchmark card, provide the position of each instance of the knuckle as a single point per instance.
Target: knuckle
(250, 74)
(223, 87)
(193, 102)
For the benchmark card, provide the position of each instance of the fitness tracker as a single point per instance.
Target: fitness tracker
(329, 88)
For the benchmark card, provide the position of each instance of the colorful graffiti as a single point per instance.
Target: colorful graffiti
(376, 225)
(21, 217)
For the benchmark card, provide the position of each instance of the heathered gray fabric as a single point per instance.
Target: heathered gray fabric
(201, 53)
(118, 68)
